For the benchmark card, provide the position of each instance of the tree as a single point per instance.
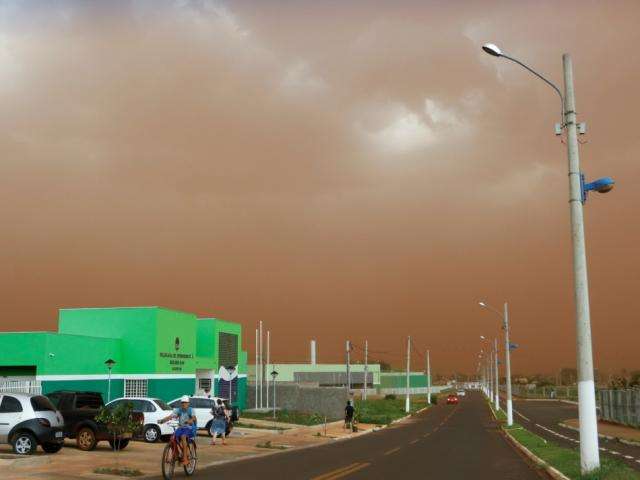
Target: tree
(119, 422)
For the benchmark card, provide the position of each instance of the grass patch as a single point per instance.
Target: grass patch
(122, 472)
(287, 416)
(271, 446)
(386, 410)
(566, 459)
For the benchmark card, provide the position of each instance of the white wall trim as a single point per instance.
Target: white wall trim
(115, 376)
(125, 376)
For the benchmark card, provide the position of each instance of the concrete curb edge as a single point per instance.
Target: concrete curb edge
(551, 471)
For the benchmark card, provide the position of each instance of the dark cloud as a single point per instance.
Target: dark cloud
(278, 161)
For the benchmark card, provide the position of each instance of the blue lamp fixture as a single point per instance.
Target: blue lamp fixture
(601, 185)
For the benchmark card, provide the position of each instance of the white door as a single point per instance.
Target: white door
(10, 414)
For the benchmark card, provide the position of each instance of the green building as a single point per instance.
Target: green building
(323, 374)
(156, 352)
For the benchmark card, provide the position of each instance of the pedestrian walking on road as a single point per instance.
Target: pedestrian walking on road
(348, 415)
(219, 424)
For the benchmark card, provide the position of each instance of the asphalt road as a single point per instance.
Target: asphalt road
(446, 442)
(543, 417)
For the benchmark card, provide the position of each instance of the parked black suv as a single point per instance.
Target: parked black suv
(79, 410)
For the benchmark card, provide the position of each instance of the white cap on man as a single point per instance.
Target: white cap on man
(184, 399)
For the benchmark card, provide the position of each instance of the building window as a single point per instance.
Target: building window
(227, 349)
(204, 384)
(135, 388)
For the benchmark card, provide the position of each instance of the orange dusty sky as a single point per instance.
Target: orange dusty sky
(337, 169)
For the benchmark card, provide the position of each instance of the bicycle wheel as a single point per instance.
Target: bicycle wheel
(190, 468)
(168, 461)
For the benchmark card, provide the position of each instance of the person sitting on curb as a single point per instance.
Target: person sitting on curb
(186, 420)
(219, 424)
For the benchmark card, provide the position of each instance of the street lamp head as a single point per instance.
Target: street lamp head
(482, 304)
(492, 50)
(110, 363)
(482, 337)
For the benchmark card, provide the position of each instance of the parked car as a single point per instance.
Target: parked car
(452, 399)
(28, 420)
(79, 410)
(152, 409)
(202, 407)
(461, 393)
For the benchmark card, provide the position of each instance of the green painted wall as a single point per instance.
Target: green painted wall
(134, 326)
(170, 389)
(286, 370)
(55, 354)
(171, 327)
(399, 380)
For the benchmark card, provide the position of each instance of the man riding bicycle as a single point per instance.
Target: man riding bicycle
(186, 420)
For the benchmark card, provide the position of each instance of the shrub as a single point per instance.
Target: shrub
(390, 396)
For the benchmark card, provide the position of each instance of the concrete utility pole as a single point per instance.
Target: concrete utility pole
(497, 392)
(491, 382)
(366, 368)
(589, 454)
(256, 373)
(348, 346)
(261, 368)
(507, 355)
(268, 348)
(428, 380)
(407, 402)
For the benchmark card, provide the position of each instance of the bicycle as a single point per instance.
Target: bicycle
(172, 454)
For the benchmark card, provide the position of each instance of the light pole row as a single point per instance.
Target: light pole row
(507, 355)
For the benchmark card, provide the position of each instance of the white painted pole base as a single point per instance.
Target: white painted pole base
(509, 413)
(407, 406)
(589, 454)
(497, 403)
(429, 399)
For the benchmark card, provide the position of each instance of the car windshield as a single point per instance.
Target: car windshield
(42, 404)
(162, 404)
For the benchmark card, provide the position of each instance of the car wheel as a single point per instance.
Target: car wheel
(151, 434)
(24, 443)
(51, 447)
(119, 444)
(86, 439)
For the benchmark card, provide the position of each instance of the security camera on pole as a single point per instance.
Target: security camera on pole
(578, 190)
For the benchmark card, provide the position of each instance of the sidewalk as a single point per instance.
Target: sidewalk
(612, 431)
(71, 463)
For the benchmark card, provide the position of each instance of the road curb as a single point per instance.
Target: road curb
(551, 471)
(601, 435)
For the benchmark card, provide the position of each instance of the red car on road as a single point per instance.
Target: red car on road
(452, 399)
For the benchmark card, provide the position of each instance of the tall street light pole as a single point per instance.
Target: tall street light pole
(507, 354)
(497, 391)
(589, 454)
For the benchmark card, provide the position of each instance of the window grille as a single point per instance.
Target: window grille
(227, 349)
(135, 388)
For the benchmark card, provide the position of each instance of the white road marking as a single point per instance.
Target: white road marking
(518, 413)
